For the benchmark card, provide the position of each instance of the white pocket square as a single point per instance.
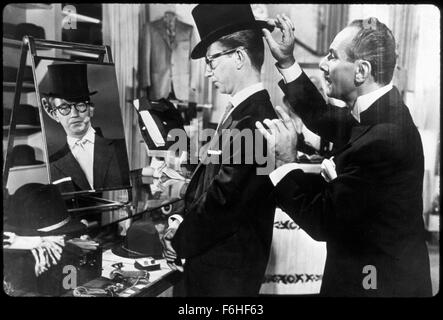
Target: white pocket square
(214, 152)
(328, 170)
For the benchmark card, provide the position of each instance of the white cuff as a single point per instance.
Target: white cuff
(290, 74)
(282, 171)
(175, 220)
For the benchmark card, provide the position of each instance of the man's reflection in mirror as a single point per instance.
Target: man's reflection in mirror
(91, 160)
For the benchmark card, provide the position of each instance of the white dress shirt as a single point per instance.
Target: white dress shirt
(83, 152)
(361, 104)
(365, 101)
(241, 96)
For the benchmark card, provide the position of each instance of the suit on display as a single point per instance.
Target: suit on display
(371, 215)
(166, 65)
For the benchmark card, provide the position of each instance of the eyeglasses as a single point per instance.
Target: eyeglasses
(65, 108)
(209, 59)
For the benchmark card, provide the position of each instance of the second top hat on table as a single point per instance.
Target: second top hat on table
(216, 21)
(69, 81)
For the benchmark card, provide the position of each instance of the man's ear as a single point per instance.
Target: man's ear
(91, 112)
(48, 109)
(363, 71)
(240, 58)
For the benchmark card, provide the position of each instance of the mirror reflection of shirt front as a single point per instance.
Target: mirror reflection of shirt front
(83, 152)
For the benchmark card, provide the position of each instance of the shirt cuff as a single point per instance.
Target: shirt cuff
(175, 220)
(282, 171)
(290, 74)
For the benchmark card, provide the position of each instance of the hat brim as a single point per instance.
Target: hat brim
(121, 252)
(64, 96)
(32, 163)
(72, 227)
(200, 49)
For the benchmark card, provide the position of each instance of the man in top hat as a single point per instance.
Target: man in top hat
(92, 161)
(226, 230)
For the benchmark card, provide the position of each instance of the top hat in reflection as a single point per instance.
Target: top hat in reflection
(214, 22)
(69, 81)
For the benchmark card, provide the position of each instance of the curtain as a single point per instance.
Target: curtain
(121, 25)
(331, 20)
(405, 29)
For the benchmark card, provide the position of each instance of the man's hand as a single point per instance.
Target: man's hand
(282, 51)
(168, 251)
(281, 137)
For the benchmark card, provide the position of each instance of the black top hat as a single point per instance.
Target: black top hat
(142, 240)
(37, 209)
(23, 155)
(69, 81)
(216, 21)
(27, 116)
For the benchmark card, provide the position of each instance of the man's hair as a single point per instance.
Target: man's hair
(251, 40)
(374, 43)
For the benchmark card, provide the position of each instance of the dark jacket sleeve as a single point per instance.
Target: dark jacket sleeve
(217, 213)
(329, 122)
(340, 208)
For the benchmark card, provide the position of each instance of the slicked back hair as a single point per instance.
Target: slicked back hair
(374, 43)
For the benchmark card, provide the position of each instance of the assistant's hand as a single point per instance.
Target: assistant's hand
(168, 251)
(282, 51)
(281, 137)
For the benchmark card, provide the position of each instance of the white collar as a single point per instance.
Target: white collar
(245, 93)
(89, 136)
(365, 101)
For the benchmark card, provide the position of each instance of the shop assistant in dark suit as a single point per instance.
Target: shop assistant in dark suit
(92, 161)
(226, 230)
(370, 211)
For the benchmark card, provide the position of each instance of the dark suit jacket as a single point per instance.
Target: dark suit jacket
(227, 229)
(371, 214)
(110, 166)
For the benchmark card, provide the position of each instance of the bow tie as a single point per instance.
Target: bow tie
(81, 142)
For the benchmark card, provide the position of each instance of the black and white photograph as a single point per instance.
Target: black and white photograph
(195, 150)
(83, 128)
